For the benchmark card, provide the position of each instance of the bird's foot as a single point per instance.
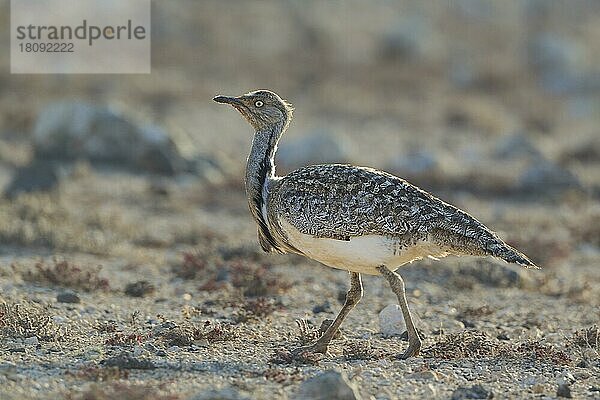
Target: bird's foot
(310, 354)
(315, 347)
(414, 347)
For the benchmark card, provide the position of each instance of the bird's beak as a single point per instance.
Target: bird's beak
(234, 101)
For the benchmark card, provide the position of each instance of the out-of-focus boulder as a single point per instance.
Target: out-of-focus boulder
(415, 163)
(408, 39)
(72, 130)
(516, 146)
(561, 64)
(547, 177)
(40, 175)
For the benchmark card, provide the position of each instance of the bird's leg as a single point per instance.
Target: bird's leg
(397, 285)
(353, 296)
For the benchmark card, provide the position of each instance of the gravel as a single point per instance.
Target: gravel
(68, 297)
(369, 88)
(327, 385)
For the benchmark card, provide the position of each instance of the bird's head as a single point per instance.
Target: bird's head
(261, 108)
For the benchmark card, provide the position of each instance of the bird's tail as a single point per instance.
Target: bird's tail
(509, 254)
(464, 235)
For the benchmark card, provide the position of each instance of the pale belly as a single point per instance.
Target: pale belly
(361, 254)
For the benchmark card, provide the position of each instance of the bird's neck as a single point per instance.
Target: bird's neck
(261, 165)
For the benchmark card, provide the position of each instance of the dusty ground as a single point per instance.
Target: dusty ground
(174, 295)
(216, 311)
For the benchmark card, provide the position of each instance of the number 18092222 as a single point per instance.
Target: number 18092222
(35, 47)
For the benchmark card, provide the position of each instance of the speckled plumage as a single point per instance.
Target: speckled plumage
(353, 218)
(344, 201)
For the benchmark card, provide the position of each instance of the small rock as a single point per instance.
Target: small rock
(128, 361)
(565, 378)
(68, 297)
(391, 321)
(139, 289)
(316, 148)
(327, 385)
(174, 349)
(92, 353)
(473, 392)
(223, 275)
(583, 375)
(538, 388)
(219, 394)
(325, 307)
(31, 341)
(17, 350)
(423, 375)
(467, 323)
(564, 390)
(163, 328)
(138, 351)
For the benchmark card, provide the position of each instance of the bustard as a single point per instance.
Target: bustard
(354, 218)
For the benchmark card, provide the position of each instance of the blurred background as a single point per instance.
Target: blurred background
(492, 105)
(485, 99)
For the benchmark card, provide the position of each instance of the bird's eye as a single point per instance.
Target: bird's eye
(258, 104)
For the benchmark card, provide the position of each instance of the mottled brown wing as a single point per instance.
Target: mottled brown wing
(342, 201)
